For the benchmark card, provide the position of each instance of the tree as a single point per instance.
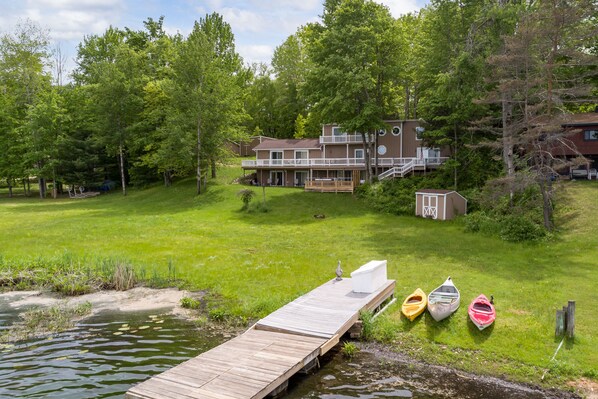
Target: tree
(535, 75)
(260, 102)
(290, 65)
(354, 55)
(206, 95)
(453, 44)
(43, 128)
(24, 65)
(118, 103)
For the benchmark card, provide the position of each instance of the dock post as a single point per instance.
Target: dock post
(570, 319)
(560, 323)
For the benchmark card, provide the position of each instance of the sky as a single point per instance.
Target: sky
(259, 25)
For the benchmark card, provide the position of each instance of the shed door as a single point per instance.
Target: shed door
(430, 206)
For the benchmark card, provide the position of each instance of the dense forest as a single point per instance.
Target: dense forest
(490, 78)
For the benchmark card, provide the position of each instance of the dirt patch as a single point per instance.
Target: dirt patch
(589, 389)
(133, 300)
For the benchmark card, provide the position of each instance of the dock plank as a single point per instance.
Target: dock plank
(256, 362)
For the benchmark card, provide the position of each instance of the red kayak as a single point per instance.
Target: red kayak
(481, 312)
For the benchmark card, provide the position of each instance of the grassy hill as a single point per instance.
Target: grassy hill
(259, 261)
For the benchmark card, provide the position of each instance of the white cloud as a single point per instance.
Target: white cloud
(244, 20)
(256, 53)
(282, 6)
(66, 19)
(400, 7)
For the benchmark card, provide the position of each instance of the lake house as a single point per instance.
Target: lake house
(585, 140)
(335, 161)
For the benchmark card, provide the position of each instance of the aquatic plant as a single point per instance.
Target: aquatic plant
(349, 349)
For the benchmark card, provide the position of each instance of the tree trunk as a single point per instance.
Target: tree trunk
(167, 178)
(9, 182)
(407, 99)
(546, 189)
(121, 156)
(507, 143)
(366, 157)
(54, 186)
(376, 154)
(455, 155)
(415, 100)
(213, 168)
(28, 190)
(42, 187)
(198, 191)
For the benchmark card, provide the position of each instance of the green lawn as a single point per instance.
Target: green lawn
(262, 260)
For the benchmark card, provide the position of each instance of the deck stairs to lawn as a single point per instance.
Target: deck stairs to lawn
(398, 171)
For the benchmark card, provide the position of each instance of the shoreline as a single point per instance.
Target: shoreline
(136, 299)
(142, 299)
(454, 376)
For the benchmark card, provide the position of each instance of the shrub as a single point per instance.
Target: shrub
(124, 277)
(514, 228)
(481, 222)
(349, 349)
(218, 314)
(190, 303)
(246, 196)
(367, 329)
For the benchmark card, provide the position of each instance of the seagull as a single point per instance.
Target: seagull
(339, 271)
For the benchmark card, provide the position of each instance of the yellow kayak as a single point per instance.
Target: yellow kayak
(415, 304)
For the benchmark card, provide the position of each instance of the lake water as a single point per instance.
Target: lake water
(108, 353)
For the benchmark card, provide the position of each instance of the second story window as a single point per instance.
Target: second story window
(337, 131)
(359, 153)
(381, 132)
(419, 133)
(590, 135)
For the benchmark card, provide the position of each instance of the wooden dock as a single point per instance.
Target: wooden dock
(263, 358)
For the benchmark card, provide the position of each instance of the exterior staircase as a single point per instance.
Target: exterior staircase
(397, 171)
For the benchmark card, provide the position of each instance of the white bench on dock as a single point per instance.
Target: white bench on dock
(369, 277)
(263, 358)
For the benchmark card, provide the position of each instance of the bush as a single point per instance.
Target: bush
(349, 349)
(190, 303)
(480, 222)
(514, 228)
(396, 196)
(246, 196)
(218, 314)
(124, 277)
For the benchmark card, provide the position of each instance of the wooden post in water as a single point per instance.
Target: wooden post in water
(570, 319)
(560, 323)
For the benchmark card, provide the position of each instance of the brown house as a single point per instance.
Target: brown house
(335, 161)
(439, 204)
(583, 141)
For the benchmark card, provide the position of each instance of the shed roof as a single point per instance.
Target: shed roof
(432, 191)
(290, 144)
(439, 192)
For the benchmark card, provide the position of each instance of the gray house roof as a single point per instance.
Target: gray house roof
(288, 144)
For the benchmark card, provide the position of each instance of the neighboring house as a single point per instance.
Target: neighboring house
(245, 148)
(585, 140)
(335, 161)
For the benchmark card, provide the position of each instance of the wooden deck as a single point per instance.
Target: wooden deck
(263, 358)
(329, 186)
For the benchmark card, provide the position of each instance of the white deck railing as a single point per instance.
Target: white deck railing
(342, 139)
(332, 162)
